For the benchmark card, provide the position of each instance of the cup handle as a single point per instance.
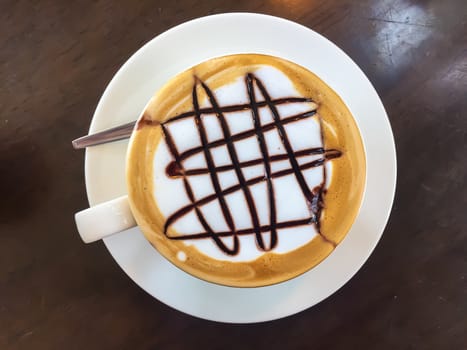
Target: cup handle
(104, 219)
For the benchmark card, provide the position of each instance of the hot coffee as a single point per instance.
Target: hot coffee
(245, 170)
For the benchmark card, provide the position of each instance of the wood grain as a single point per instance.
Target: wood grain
(56, 57)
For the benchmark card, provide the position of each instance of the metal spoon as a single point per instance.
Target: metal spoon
(113, 134)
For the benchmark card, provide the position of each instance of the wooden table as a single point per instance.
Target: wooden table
(56, 58)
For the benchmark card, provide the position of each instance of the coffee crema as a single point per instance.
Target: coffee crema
(245, 170)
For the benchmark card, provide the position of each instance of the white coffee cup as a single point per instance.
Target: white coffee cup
(188, 216)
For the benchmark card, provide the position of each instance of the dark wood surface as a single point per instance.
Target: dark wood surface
(56, 58)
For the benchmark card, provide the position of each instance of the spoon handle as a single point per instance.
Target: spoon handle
(117, 133)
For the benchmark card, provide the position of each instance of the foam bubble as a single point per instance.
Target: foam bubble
(181, 255)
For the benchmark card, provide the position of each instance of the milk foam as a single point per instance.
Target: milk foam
(170, 192)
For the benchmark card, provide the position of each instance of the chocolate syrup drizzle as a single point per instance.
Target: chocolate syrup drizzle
(313, 197)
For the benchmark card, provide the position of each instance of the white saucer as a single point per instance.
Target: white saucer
(184, 46)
